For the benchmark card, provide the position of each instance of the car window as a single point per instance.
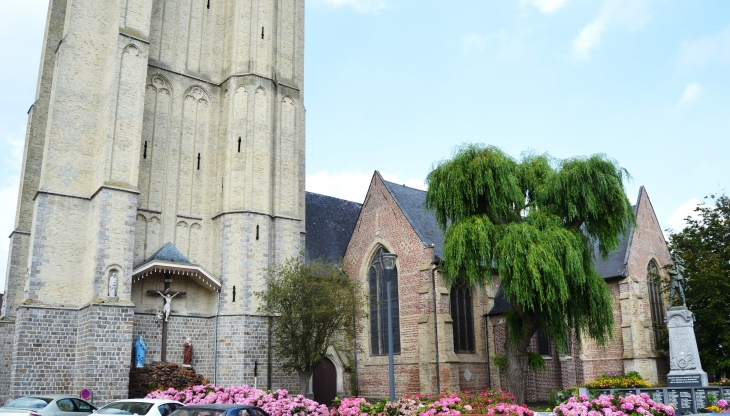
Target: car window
(29, 403)
(165, 409)
(198, 412)
(126, 408)
(175, 406)
(65, 405)
(259, 412)
(82, 406)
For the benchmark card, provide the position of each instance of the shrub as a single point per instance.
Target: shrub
(278, 403)
(631, 405)
(627, 381)
(559, 396)
(159, 376)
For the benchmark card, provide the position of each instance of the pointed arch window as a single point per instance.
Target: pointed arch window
(462, 313)
(656, 304)
(379, 307)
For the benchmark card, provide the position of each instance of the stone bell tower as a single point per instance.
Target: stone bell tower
(155, 122)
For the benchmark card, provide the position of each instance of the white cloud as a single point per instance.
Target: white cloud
(629, 14)
(545, 6)
(352, 186)
(691, 93)
(588, 39)
(677, 219)
(703, 51)
(475, 42)
(361, 6)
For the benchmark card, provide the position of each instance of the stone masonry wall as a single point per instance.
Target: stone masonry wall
(44, 351)
(7, 329)
(102, 364)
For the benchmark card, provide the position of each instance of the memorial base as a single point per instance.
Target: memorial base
(687, 380)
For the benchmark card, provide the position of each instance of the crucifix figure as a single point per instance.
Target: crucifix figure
(167, 296)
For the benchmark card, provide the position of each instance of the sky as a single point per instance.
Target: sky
(397, 85)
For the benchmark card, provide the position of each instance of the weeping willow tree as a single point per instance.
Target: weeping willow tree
(534, 222)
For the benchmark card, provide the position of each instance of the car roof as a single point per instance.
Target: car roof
(53, 396)
(219, 406)
(153, 401)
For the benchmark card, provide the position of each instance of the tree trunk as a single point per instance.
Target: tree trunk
(304, 378)
(517, 360)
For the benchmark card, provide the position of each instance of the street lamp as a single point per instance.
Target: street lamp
(388, 262)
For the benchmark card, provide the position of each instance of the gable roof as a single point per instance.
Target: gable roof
(169, 259)
(329, 223)
(412, 202)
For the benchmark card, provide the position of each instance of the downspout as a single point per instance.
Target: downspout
(486, 336)
(215, 344)
(434, 265)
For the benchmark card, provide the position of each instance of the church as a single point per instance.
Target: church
(163, 175)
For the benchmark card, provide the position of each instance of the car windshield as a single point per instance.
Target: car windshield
(126, 408)
(29, 403)
(197, 412)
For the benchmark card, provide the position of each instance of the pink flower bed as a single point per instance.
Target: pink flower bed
(447, 404)
(278, 403)
(631, 405)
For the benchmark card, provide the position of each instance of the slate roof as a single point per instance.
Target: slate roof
(168, 252)
(330, 222)
(501, 305)
(412, 203)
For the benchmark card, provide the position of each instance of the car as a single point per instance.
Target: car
(147, 407)
(47, 405)
(219, 410)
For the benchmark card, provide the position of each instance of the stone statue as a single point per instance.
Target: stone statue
(113, 285)
(677, 279)
(168, 302)
(188, 353)
(140, 350)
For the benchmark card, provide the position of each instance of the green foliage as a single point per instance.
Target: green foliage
(533, 222)
(500, 361)
(705, 247)
(559, 396)
(311, 303)
(535, 362)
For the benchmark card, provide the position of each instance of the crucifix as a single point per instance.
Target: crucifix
(167, 296)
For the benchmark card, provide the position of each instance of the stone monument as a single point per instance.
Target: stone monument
(684, 359)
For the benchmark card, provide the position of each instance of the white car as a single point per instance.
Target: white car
(47, 405)
(141, 407)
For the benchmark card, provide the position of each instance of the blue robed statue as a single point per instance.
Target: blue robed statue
(140, 349)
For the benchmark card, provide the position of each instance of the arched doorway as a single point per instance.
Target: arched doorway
(324, 382)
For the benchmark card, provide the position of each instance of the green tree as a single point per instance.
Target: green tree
(704, 244)
(312, 306)
(534, 222)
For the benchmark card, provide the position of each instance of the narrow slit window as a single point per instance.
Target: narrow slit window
(543, 343)
(234, 293)
(209, 8)
(239, 145)
(462, 314)
(262, 32)
(145, 150)
(257, 232)
(198, 161)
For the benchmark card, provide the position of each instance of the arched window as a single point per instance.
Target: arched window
(463, 316)
(656, 303)
(379, 307)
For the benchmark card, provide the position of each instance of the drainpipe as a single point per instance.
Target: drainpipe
(434, 265)
(215, 345)
(486, 337)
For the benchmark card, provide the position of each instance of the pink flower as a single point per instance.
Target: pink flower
(722, 402)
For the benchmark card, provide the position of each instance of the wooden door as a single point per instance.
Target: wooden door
(324, 382)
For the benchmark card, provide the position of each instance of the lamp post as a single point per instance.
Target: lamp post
(388, 262)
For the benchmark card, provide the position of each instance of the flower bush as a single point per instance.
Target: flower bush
(626, 381)
(486, 402)
(722, 382)
(720, 407)
(278, 403)
(631, 405)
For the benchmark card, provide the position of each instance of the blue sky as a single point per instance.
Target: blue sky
(395, 85)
